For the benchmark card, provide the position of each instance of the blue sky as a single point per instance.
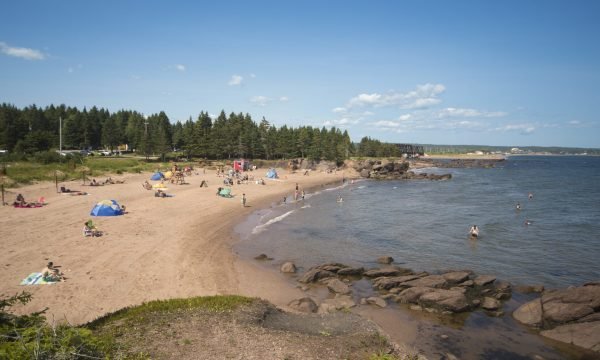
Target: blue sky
(443, 72)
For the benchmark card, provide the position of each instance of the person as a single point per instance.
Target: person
(530, 196)
(243, 200)
(284, 199)
(306, 173)
(20, 200)
(147, 185)
(296, 186)
(518, 207)
(474, 231)
(528, 222)
(303, 194)
(63, 189)
(94, 183)
(89, 229)
(52, 273)
(219, 191)
(109, 180)
(339, 198)
(160, 193)
(203, 183)
(123, 209)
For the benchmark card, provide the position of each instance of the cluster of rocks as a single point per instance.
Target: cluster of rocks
(447, 293)
(569, 315)
(391, 170)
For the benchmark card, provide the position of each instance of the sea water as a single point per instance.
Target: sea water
(424, 224)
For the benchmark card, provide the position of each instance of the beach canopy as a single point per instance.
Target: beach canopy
(107, 208)
(272, 174)
(157, 176)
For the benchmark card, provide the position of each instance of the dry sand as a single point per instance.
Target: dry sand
(162, 248)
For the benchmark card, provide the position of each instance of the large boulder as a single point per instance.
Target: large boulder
(585, 335)
(339, 302)
(387, 271)
(412, 295)
(454, 301)
(560, 313)
(456, 276)
(314, 275)
(483, 280)
(432, 281)
(337, 286)
(529, 313)
(386, 283)
(288, 267)
(589, 295)
(304, 304)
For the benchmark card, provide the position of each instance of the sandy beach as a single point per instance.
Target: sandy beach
(162, 248)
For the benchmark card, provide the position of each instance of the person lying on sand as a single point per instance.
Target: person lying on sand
(94, 183)
(52, 273)
(89, 229)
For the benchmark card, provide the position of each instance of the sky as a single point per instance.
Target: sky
(511, 73)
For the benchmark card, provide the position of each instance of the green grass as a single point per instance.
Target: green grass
(28, 172)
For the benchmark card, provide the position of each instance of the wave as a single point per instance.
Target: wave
(259, 228)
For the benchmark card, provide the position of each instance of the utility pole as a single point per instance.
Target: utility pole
(60, 134)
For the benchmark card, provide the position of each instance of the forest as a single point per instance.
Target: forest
(32, 130)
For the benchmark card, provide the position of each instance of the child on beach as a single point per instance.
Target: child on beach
(243, 200)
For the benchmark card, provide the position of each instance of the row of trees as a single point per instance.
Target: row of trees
(34, 129)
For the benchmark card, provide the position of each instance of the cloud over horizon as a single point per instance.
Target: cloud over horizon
(423, 96)
(235, 80)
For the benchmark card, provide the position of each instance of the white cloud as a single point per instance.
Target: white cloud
(521, 128)
(24, 53)
(284, 99)
(423, 96)
(180, 67)
(405, 117)
(260, 100)
(386, 124)
(342, 122)
(458, 112)
(339, 110)
(574, 122)
(235, 80)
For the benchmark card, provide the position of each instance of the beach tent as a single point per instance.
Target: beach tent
(272, 174)
(157, 176)
(107, 208)
(225, 192)
(168, 174)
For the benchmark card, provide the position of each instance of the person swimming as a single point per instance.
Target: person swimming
(518, 207)
(474, 231)
(530, 196)
(339, 198)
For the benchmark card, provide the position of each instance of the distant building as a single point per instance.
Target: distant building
(411, 150)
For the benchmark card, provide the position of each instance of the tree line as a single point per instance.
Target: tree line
(33, 129)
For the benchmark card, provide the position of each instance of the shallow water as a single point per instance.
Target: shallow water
(423, 225)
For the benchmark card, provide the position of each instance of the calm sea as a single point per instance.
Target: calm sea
(423, 225)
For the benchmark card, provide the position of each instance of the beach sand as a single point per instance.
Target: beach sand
(162, 248)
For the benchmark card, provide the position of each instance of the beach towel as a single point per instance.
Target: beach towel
(29, 206)
(36, 278)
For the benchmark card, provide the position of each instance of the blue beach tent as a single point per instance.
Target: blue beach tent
(107, 208)
(272, 174)
(157, 176)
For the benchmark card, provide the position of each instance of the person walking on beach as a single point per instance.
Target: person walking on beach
(243, 200)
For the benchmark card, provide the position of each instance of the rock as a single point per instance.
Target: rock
(313, 275)
(483, 280)
(363, 301)
(503, 296)
(459, 289)
(528, 289)
(490, 303)
(365, 173)
(444, 337)
(262, 257)
(446, 299)
(333, 267)
(529, 313)
(450, 356)
(338, 286)
(386, 283)
(585, 335)
(589, 318)
(390, 271)
(416, 308)
(288, 267)
(388, 296)
(561, 313)
(337, 303)
(351, 271)
(385, 260)
(304, 304)
(467, 283)
(376, 301)
(433, 281)
(412, 295)
(503, 286)
(476, 302)
(456, 276)
(589, 295)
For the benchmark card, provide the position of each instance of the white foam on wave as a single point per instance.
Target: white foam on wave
(259, 228)
(305, 206)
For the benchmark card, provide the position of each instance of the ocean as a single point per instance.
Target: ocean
(553, 240)
(424, 225)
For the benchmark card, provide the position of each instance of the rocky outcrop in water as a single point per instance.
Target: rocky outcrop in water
(391, 170)
(569, 315)
(455, 163)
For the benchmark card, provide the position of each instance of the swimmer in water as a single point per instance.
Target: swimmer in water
(530, 196)
(339, 198)
(528, 222)
(518, 207)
